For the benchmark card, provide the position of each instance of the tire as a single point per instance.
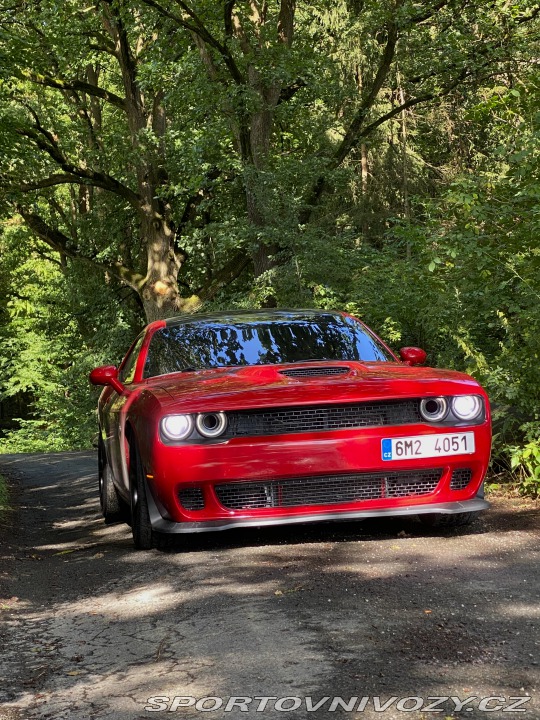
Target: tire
(143, 535)
(444, 520)
(109, 500)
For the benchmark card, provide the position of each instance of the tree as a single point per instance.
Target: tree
(83, 155)
(54, 328)
(179, 142)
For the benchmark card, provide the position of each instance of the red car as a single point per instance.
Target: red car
(271, 417)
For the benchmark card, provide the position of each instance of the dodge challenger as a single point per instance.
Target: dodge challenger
(267, 417)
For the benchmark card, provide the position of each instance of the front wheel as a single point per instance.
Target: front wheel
(446, 520)
(109, 499)
(141, 528)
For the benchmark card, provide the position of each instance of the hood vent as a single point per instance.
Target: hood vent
(315, 371)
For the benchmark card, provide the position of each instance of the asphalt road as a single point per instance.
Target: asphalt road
(384, 611)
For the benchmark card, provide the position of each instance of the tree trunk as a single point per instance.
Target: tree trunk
(365, 187)
(404, 168)
(264, 257)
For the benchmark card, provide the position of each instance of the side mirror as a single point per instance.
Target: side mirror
(107, 375)
(413, 355)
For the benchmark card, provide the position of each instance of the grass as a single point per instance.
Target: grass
(4, 500)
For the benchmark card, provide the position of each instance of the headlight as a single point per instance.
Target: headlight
(211, 425)
(434, 409)
(466, 407)
(177, 427)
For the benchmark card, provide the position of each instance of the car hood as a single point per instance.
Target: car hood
(269, 386)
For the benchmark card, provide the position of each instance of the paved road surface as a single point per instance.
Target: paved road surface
(92, 629)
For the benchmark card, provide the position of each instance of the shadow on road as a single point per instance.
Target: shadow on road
(372, 608)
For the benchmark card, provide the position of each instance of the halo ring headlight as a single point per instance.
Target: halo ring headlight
(177, 427)
(212, 424)
(466, 407)
(434, 409)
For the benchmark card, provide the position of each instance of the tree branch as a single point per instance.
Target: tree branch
(199, 29)
(228, 8)
(60, 242)
(290, 91)
(74, 85)
(51, 181)
(193, 203)
(46, 142)
(228, 273)
(368, 129)
(531, 16)
(385, 64)
(421, 17)
(103, 42)
(135, 110)
(320, 185)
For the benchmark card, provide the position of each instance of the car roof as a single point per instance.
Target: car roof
(252, 316)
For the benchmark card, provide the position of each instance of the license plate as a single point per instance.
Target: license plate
(427, 446)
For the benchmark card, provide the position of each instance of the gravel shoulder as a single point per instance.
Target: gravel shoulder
(90, 628)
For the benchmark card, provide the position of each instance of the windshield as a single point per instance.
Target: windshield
(211, 344)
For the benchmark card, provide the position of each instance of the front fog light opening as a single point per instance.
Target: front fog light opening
(177, 427)
(466, 407)
(434, 409)
(211, 425)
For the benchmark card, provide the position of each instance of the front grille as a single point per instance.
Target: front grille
(314, 371)
(460, 479)
(307, 418)
(191, 498)
(326, 489)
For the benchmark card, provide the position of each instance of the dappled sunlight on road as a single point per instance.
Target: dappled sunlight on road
(520, 610)
(347, 608)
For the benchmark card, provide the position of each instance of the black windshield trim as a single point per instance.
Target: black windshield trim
(255, 316)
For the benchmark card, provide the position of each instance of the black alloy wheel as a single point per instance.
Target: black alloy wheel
(109, 500)
(141, 528)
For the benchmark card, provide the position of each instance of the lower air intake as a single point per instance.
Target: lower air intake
(460, 479)
(191, 498)
(326, 489)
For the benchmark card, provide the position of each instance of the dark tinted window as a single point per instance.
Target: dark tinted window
(210, 344)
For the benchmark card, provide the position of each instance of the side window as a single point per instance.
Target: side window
(151, 367)
(128, 369)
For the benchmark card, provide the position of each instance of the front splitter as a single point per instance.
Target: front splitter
(162, 525)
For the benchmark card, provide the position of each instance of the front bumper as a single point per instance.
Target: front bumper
(239, 463)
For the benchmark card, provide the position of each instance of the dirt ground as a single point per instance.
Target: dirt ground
(386, 611)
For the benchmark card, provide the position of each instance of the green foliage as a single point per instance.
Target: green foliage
(60, 324)
(525, 461)
(427, 226)
(5, 506)
(4, 496)
(460, 277)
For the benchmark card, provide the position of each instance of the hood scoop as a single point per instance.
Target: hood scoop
(315, 371)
